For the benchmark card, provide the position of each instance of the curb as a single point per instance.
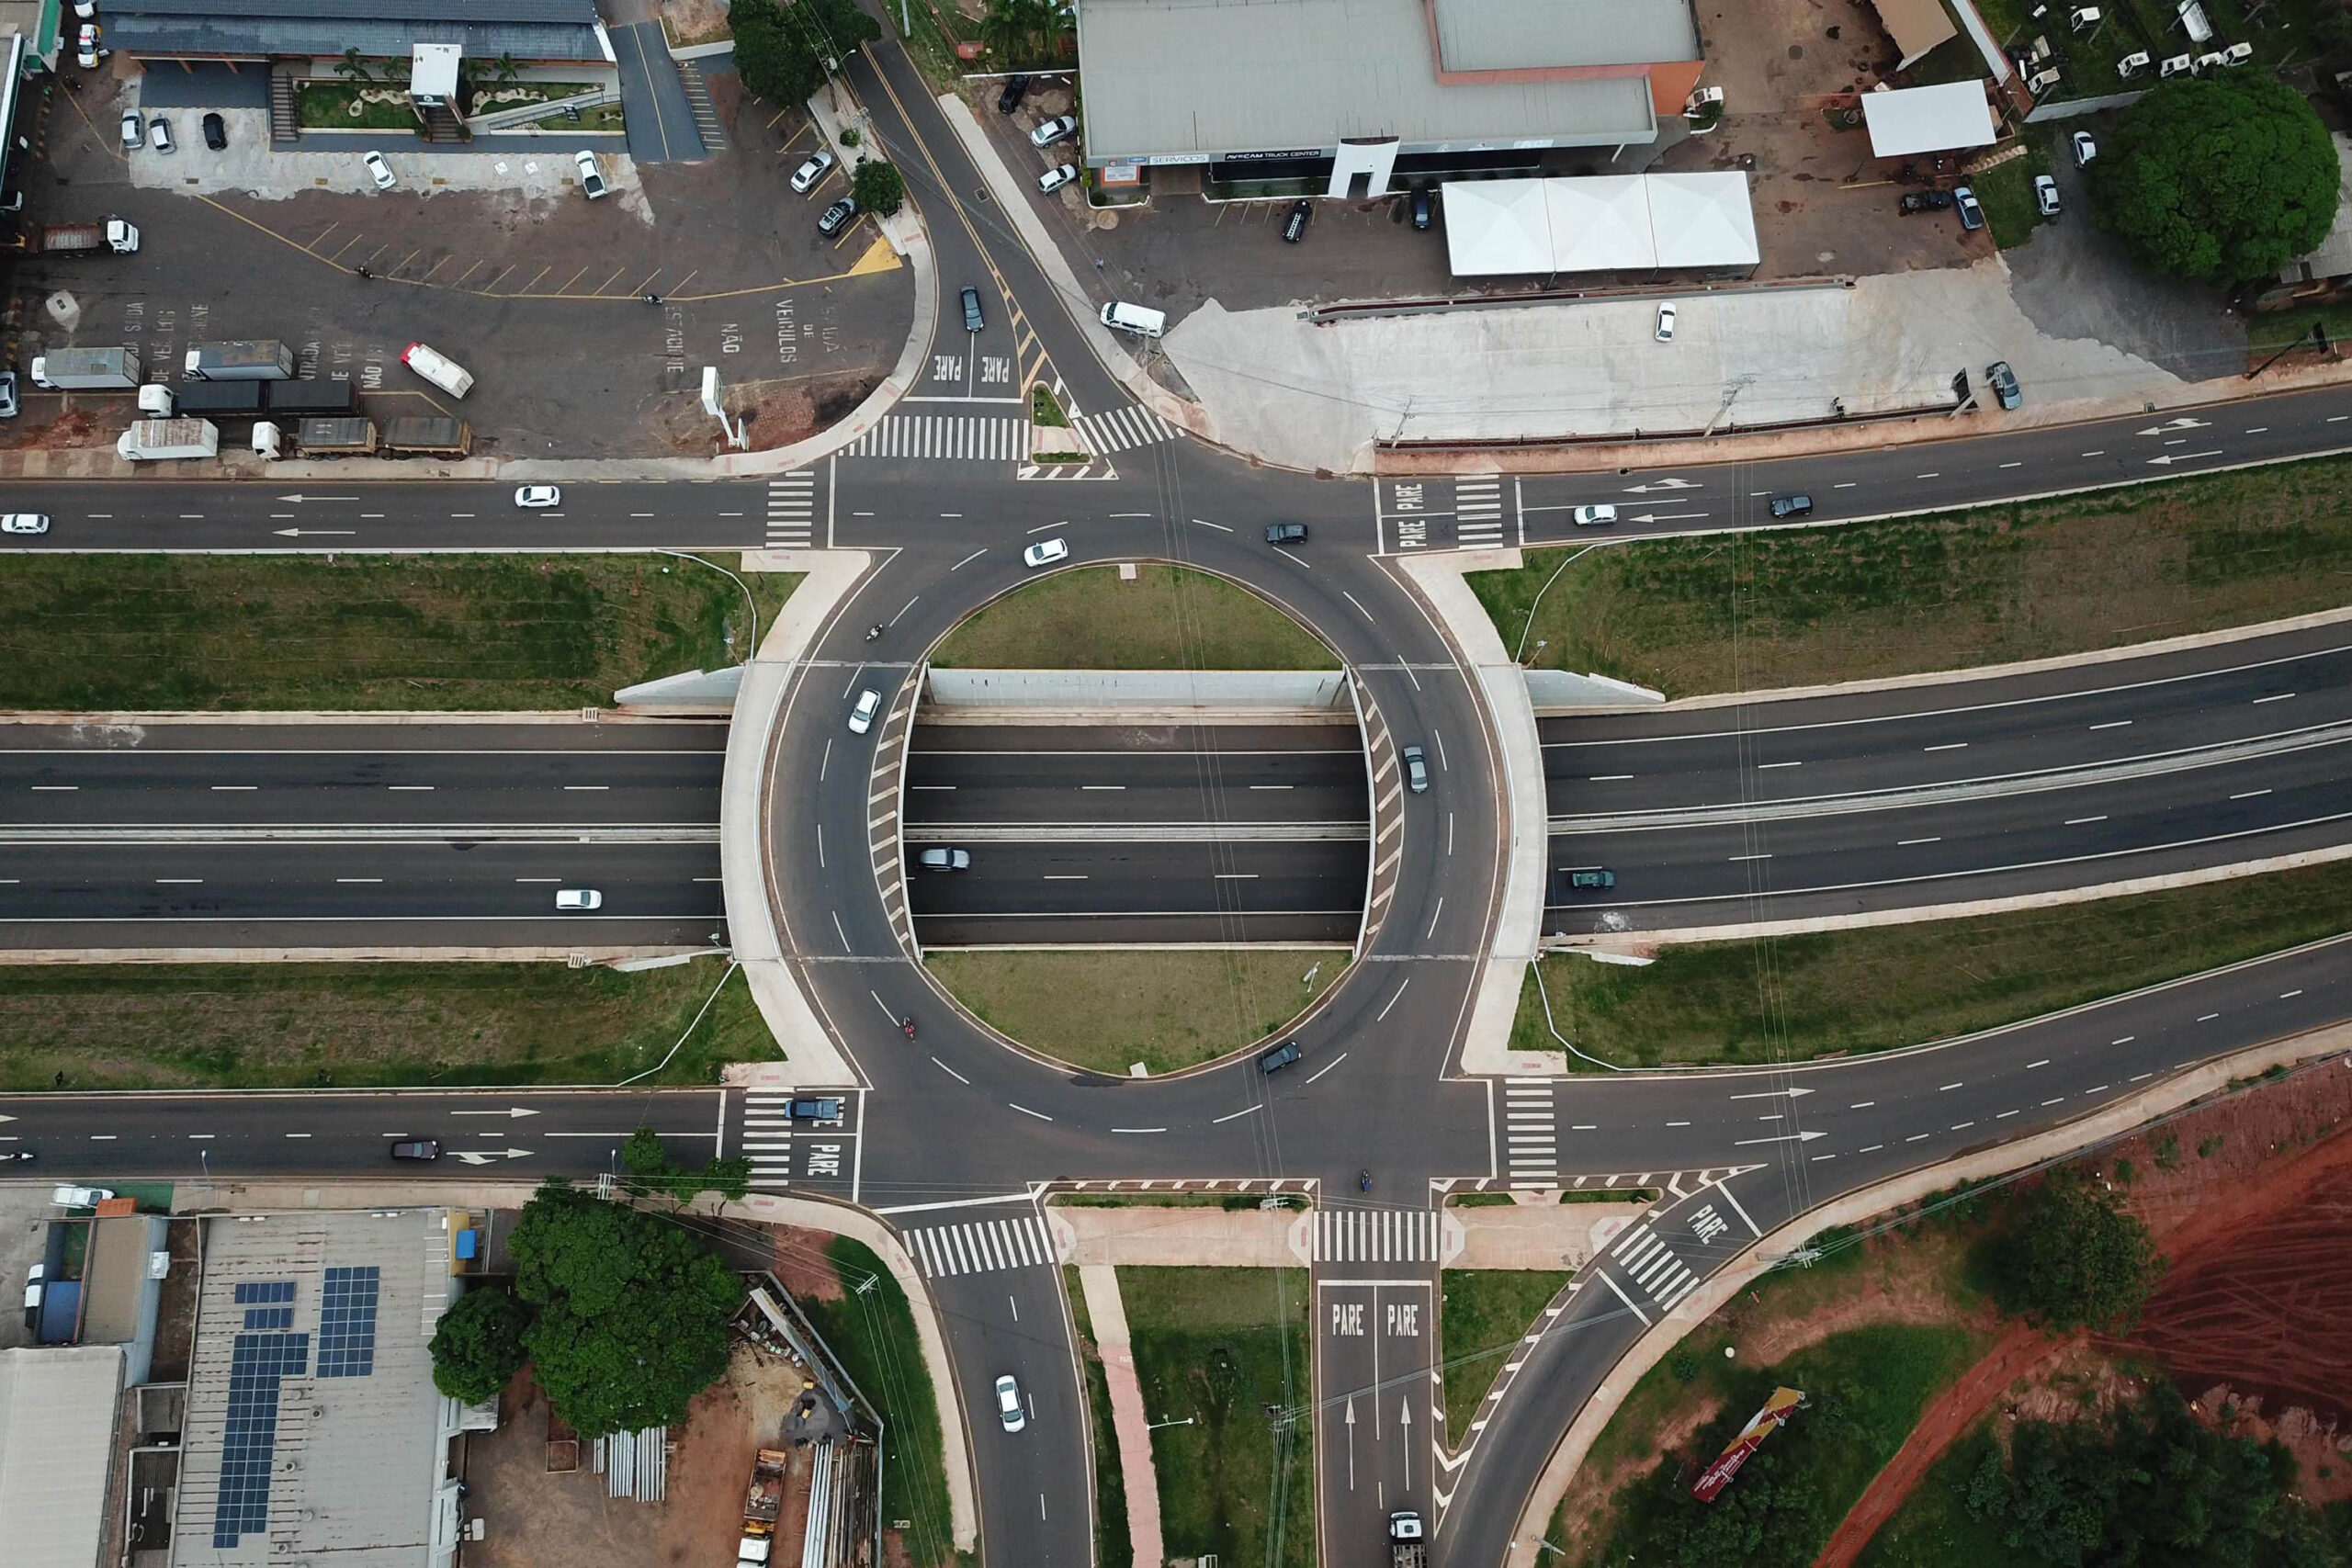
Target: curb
(2111, 1121)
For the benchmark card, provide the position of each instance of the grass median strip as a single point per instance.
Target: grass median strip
(872, 1330)
(1167, 1009)
(1229, 1348)
(1483, 1313)
(363, 1026)
(1791, 997)
(1168, 618)
(93, 633)
(1750, 612)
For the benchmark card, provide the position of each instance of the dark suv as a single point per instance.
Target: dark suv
(814, 1110)
(1015, 88)
(1285, 533)
(1295, 225)
(1281, 1056)
(1924, 201)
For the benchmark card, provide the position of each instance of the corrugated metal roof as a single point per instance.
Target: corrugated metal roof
(527, 30)
(1521, 35)
(57, 1408)
(1214, 76)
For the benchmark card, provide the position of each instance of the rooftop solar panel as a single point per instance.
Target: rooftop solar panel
(256, 1364)
(347, 1323)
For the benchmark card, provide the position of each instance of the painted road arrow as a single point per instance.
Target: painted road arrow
(2171, 425)
(525, 1111)
(303, 498)
(1352, 1442)
(1767, 1094)
(483, 1157)
(308, 533)
(1782, 1138)
(2171, 457)
(1665, 484)
(1664, 516)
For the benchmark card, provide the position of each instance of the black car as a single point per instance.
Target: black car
(1281, 1056)
(1015, 89)
(837, 216)
(1924, 201)
(216, 132)
(973, 320)
(1285, 533)
(1597, 878)
(418, 1148)
(1424, 208)
(1792, 506)
(1295, 225)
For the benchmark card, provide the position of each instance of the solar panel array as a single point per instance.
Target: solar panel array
(256, 1364)
(347, 1323)
(269, 1317)
(264, 1292)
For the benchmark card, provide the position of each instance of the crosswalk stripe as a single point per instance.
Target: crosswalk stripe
(955, 437)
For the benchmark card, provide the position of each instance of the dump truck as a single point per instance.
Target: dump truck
(89, 369)
(159, 438)
(762, 1501)
(111, 237)
(248, 359)
(233, 398)
(426, 435)
(336, 438)
(316, 396)
(1408, 1548)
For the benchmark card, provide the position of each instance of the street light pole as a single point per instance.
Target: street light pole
(1156, 1425)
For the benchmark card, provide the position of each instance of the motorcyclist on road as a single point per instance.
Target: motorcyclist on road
(908, 1024)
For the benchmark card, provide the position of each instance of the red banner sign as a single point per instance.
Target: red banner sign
(1760, 1426)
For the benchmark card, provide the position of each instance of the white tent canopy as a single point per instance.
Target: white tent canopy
(1927, 120)
(1497, 225)
(1598, 223)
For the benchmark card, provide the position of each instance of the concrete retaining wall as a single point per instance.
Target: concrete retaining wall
(2070, 108)
(971, 694)
(1553, 689)
(713, 689)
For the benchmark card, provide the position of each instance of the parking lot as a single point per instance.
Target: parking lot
(493, 256)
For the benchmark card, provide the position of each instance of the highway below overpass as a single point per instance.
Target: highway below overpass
(320, 834)
(1138, 834)
(1950, 791)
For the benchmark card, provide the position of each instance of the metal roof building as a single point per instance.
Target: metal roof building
(265, 29)
(57, 1409)
(1362, 82)
(313, 1432)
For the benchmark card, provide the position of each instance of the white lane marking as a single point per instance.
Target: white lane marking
(1383, 1013)
(1948, 746)
(1235, 1116)
(2281, 697)
(2249, 794)
(1358, 604)
(1139, 1129)
(2082, 821)
(2044, 1063)
(1326, 1067)
(217, 789)
(1026, 1112)
(1903, 843)
(2114, 724)
(358, 879)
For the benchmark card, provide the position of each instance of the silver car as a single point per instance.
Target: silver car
(1008, 1403)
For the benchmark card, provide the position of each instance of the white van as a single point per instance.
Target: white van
(1134, 319)
(443, 372)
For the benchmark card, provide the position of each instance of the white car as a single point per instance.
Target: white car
(379, 171)
(1053, 131)
(534, 497)
(1593, 517)
(159, 134)
(591, 179)
(806, 176)
(79, 1197)
(569, 898)
(134, 134)
(1055, 178)
(25, 523)
(861, 718)
(2045, 196)
(1665, 322)
(33, 1282)
(1046, 552)
(2085, 148)
(1008, 1403)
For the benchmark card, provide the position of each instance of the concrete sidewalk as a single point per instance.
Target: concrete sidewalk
(1129, 1423)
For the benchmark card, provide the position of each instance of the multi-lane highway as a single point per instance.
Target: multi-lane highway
(130, 836)
(951, 1131)
(1954, 790)
(1138, 833)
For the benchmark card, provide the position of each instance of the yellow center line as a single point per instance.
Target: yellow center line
(660, 120)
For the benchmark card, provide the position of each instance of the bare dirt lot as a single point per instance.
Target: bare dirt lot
(540, 1520)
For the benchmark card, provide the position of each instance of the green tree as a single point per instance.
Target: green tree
(478, 1345)
(351, 68)
(2224, 177)
(651, 1173)
(2073, 1260)
(632, 1311)
(879, 188)
(774, 61)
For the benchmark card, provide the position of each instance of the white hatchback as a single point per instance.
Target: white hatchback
(25, 523)
(572, 898)
(861, 718)
(534, 497)
(1594, 516)
(379, 171)
(1046, 552)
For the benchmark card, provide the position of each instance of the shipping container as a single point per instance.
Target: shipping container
(220, 396)
(422, 436)
(76, 369)
(321, 395)
(158, 439)
(248, 359)
(336, 438)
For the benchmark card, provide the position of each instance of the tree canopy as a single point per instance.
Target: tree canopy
(651, 1171)
(478, 1345)
(781, 45)
(879, 188)
(2223, 177)
(2073, 1260)
(632, 1311)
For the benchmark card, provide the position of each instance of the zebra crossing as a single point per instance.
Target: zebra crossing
(981, 1246)
(767, 1134)
(1651, 1265)
(980, 437)
(1376, 1235)
(1120, 428)
(792, 510)
(1530, 1133)
(1478, 513)
(699, 104)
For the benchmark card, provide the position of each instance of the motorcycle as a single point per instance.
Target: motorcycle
(19, 1153)
(909, 1026)
(872, 632)
(1363, 1181)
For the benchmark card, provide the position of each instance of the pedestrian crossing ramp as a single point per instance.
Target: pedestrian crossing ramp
(980, 1246)
(1376, 1235)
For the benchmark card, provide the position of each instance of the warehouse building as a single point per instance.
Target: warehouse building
(1360, 95)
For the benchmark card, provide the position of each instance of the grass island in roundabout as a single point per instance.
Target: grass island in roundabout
(1143, 792)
